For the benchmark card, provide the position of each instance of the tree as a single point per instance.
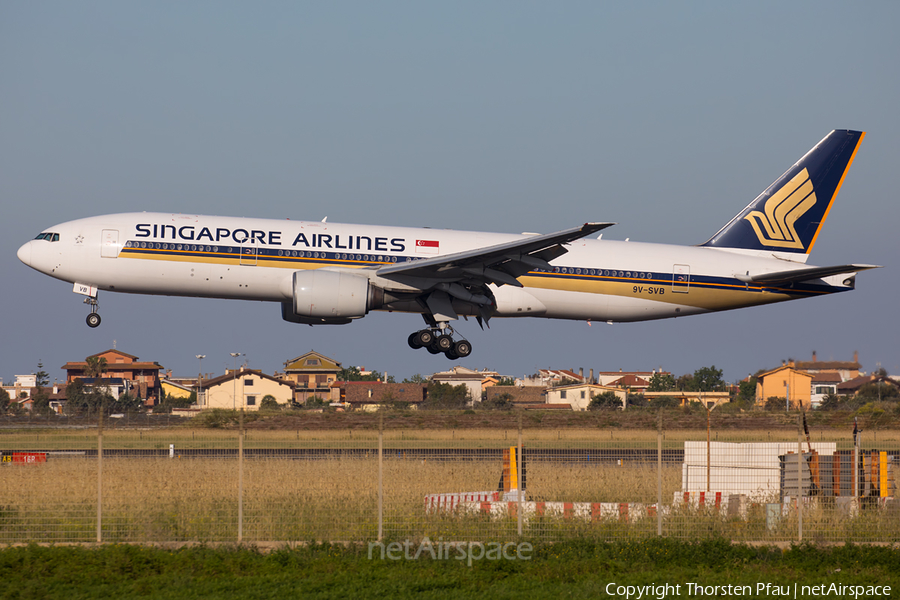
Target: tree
(269, 403)
(506, 381)
(776, 403)
(40, 403)
(708, 379)
(604, 401)
(664, 402)
(169, 402)
(830, 402)
(96, 367)
(878, 390)
(746, 396)
(354, 374)
(636, 400)
(127, 403)
(443, 396)
(661, 382)
(4, 401)
(315, 402)
(417, 378)
(499, 402)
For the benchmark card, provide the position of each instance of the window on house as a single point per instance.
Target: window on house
(312, 362)
(251, 400)
(582, 394)
(248, 382)
(562, 394)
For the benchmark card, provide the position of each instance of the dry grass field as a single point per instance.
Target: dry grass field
(334, 497)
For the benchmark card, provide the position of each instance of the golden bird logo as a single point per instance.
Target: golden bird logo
(775, 227)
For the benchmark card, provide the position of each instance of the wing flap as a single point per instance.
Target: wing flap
(798, 275)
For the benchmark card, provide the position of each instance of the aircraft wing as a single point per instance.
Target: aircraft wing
(500, 264)
(798, 275)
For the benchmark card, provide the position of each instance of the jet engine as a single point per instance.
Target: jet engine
(323, 297)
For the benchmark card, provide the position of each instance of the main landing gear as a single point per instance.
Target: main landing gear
(439, 340)
(93, 319)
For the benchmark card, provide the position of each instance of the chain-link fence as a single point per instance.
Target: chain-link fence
(214, 485)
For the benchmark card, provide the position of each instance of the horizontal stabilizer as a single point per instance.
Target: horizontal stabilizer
(798, 275)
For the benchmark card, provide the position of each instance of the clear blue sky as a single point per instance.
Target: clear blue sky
(667, 118)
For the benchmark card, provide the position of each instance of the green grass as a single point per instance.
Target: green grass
(578, 569)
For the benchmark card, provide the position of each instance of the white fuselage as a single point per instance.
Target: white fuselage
(253, 259)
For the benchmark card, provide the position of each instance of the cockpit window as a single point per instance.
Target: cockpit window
(50, 237)
(55, 237)
(40, 236)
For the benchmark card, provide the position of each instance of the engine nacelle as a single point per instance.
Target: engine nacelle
(330, 297)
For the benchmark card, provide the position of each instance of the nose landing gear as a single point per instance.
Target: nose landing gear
(93, 319)
(439, 340)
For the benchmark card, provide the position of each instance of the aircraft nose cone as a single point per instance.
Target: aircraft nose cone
(24, 253)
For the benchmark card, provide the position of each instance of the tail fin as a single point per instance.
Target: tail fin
(786, 219)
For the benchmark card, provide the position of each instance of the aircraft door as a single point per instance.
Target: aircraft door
(681, 278)
(249, 252)
(109, 243)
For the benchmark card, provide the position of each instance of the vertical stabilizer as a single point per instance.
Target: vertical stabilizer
(787, 217)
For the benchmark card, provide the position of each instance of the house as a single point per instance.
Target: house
(822, 385)
(579, 395)
(625, 377)
(22, 388)
(124, 373)
(475, 381)
(707, 399)
(852, 387)
(785, 382)
(846, 370)
(312, 374)
(245, 389)
(631, 382)
(370, 395)
(175, 388)
(521, 396)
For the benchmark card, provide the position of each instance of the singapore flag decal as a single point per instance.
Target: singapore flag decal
(428, 247)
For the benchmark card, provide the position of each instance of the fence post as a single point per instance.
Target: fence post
(799, 477)
(100, 476)
(659, 473)
(380, 475)
(519, 481)
(240, 531)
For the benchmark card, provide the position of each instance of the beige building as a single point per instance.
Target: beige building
(244, 388)
(785, 382)
(578, 396)
(475, 381)
(312, 375)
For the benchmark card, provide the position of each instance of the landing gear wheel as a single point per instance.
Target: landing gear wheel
(93, 320)
(424, 338)
(462, 348)
(451, 354)
(443, 343)
(413, 341)
(432, 350)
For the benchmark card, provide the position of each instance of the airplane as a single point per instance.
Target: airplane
(329, 273)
